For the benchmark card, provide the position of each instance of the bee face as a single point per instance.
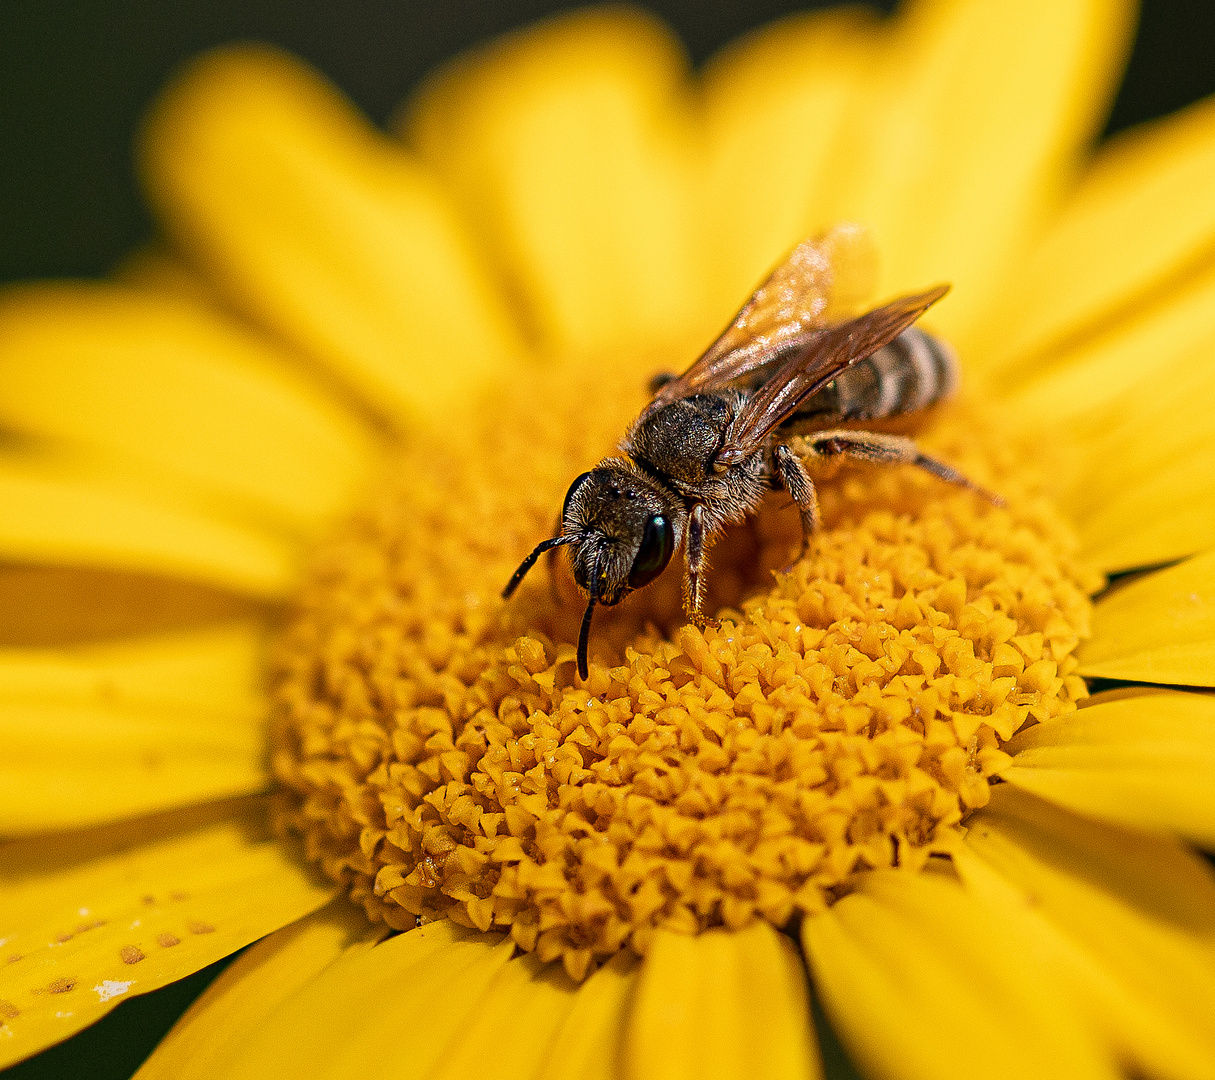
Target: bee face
(625, 530)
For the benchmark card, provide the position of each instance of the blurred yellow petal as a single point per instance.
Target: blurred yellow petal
(1128, 355)
(154, 268)
(58, 606)
(719, 1005)
(1131, 400)
(324, 232)
(391, 1011)
(570, 148)
(93, 916)
(1140, 224)
(973, 123)
(69, 513)
(216, 668)
(1124, 921)
(773, 107)
(917, 979)
(1143, 492)
(247, 992)
(588, 1043)
(1145, 760)
(1160, 628)
(182, 391)
(96, 734)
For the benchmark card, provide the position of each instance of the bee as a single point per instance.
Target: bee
(772, 392)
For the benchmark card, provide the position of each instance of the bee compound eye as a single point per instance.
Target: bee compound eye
(657, 545)
(578, 482)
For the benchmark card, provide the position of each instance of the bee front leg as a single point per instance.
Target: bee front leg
(796, 481)
(695, 551)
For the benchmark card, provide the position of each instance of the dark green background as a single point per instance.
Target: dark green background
(76, 76)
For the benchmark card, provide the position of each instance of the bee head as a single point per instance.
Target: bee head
(621, 528)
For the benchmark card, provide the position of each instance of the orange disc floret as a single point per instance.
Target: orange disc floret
(443, 760)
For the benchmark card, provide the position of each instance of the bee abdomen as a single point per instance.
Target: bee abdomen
(913, 372)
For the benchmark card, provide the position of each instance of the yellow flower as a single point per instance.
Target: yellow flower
(442, 335)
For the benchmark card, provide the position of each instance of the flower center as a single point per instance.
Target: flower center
(442, 757)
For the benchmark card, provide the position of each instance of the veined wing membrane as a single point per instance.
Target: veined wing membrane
(818, 280)
(828, 352)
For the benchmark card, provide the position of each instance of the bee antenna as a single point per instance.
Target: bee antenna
(530, 561)
(584, 632)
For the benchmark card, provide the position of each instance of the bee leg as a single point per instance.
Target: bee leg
(695, 549)
(796, 481)
(881, 449)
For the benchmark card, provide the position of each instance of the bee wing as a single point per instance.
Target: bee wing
(801, 295)
(827, 352)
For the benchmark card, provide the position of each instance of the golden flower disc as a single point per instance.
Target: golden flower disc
(443, 758)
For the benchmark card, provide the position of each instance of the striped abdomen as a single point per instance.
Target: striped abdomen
(910, 374)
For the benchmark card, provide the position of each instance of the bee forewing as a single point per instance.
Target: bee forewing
(853, 255)
(821, 280)
(827, 353)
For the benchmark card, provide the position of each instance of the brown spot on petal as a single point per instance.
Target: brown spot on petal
(198, 927)
(7, 1008)
(167, 941)
(89, 926)
(60, 986)
(130, 954)
(13, 958)
(149, 899)
(63, 938)
(179, 895)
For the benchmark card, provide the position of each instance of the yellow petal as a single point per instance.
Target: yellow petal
(1160, 628)
(971, 126)
(1124, 921)
(324, 232)
(154, 268)
(59, 606)
(1145, 760)
(570, 147)
(513, 1025)
(93, 916)
(96, 734)
(217, 668)
(773, 108)
(917, 979)
(1130, 402)
(234, 1007)
(1140, 223)
(176, 389)
(93, 514)
(391, 1011)
(1127, 356)
(1144, 487)
(587, 1046)
(721, 1004)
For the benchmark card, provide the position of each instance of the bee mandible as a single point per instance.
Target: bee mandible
(773, 391)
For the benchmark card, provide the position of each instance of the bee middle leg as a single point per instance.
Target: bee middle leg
(882, 449)
(796, 481)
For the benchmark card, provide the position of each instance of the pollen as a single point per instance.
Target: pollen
(442, 759)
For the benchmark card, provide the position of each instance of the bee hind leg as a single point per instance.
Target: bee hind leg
(882, 449)
(796, 481)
